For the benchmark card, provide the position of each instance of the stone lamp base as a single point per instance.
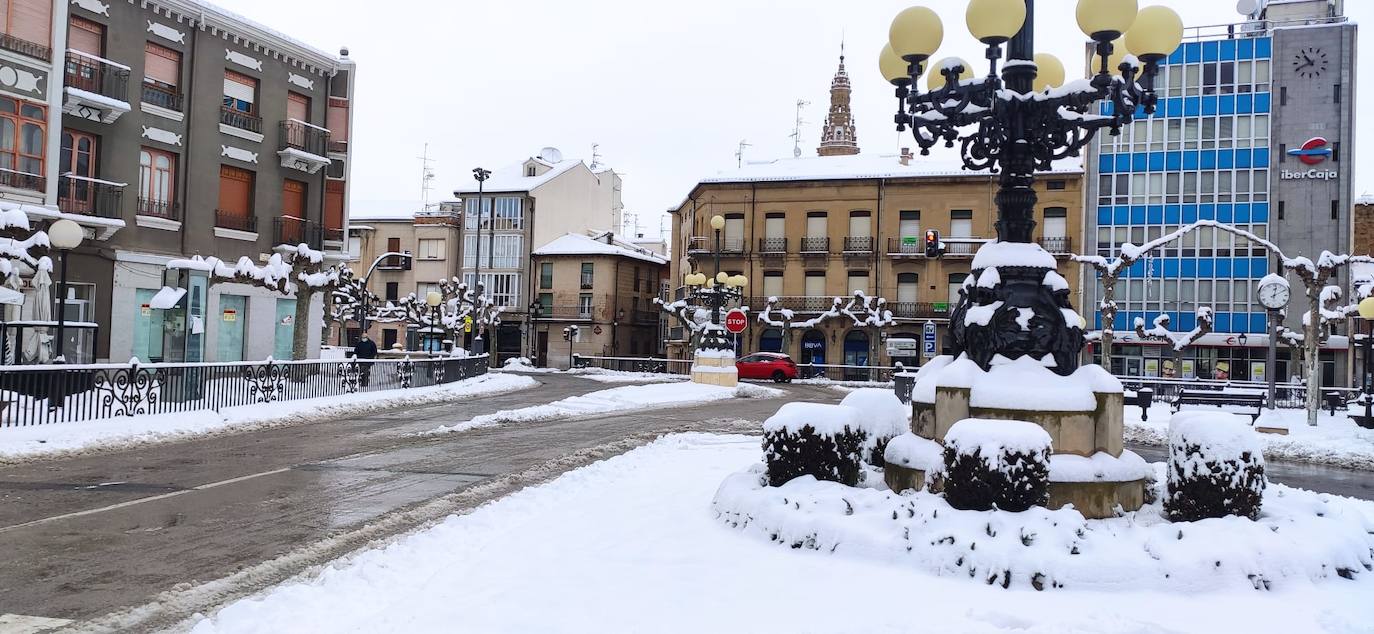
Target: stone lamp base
(711, 367)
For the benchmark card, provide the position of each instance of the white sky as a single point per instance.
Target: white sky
(668, 89)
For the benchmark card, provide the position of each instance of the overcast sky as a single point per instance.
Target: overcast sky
(667, 89)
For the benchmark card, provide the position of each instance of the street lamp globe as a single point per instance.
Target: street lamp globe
(892, 67)
(65, 235)
(717, 223)
(1106, 20)
(433, 299)
(741, 281)
(916, 33)
(995, 21)
(935, 80)
(1367, 308)
(1156, 33)
(722, 277)
(1049, 73)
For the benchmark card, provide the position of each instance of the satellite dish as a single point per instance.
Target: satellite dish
(551, 155)
(1247, 7)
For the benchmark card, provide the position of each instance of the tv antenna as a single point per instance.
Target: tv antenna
(426, 177)
(596, 156)
(796, 129)
(739, 154)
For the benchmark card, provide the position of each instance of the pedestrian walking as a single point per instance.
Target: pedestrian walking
(365, 349)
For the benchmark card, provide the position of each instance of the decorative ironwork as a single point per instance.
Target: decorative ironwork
(437, 372)
(266, 382)
(405, 372)
(127, 391)
(350, 376)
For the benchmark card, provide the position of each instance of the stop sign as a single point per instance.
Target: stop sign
(736, 321)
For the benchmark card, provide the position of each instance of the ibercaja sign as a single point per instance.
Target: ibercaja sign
(1312, 153)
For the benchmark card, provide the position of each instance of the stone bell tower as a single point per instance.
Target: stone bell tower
(838, 138)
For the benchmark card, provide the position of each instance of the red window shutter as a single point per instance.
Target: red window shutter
(31, 20)
(338, 119)
(85, 36)
(235, 190)
(161, 64)
(293, 199)
(333, 204)
(297, 107)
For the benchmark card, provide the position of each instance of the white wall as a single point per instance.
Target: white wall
(573, 202)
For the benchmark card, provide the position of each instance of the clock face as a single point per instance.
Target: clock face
(1273, 296)
(1310, 62)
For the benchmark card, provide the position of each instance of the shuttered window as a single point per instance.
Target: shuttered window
(161, 65)
(235, 191)
(337, 119)
(240, 92)
(28, 20)
(333, 204)
(293, 199)
(85, 36)
(297, 107)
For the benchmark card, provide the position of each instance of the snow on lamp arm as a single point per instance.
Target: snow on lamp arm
(1014, 124)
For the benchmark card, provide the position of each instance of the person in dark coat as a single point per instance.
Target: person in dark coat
(365, 349)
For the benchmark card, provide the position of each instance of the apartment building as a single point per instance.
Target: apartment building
(170, 128)
(807, 230)
(1254, 129)
(603, 285)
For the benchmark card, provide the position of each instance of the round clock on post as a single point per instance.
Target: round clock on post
(1310, 62)
(1273, 295)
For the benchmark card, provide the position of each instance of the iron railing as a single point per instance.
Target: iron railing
(169, 209)
(965, 247)
(797, 303)
(89, 196)
(699, 244)
(918, 310)
(773, 246)
(1286, 395)
(858, 244)
(25, 47)
(96, 75)
(302, 136)
(906, 247)
(1057, 245)
(296, 231)
(876, 374)
(236, 220)
(813, 246)
(162, 96)
(111, 390)
(22, 180)
(566, 311)
(240, 119)
(732, 245)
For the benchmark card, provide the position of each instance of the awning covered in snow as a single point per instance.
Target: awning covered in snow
(166, 298)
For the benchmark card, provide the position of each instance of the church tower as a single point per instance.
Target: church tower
(838, 137)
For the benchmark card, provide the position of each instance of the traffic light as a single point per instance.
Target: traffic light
(932, 243)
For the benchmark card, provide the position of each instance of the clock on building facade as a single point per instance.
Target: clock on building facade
(1310, 62)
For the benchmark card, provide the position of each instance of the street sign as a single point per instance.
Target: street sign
(902, 347)
(928, 340)
(736, 321)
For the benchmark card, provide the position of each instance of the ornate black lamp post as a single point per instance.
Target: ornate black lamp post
(1024, 122)
(481, 175)
(715, 293)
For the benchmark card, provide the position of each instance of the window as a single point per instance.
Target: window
(732, 239)
(431, 249)
(775, 226)
(333, 208)
(815, 224)
(1283, 96)
(393, 290)
(961, 223)
(635, 288)
(530, 171)
(423, 289)
(509, 213)
(86, 36)
(22, 141)
(1281, 210)
(858, 281)
(1335, 209)
(908, 287)
(956, 283)
(772, 283)
(1057, 184)
(388, 338)
(240, 92)
(815, 283)
(1056, 222)
(1336, 97)
(293, 199)
(76, 191)
(161, 76)
(337, 120)
(155, 181)
(546, 303)
(860, 224)
(29, 20)
(235, 193)
(587, 274)
(546, 275)
(584, 305)
(297, 107)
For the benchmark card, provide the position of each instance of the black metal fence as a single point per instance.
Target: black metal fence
(31, 394)
(1286, 395)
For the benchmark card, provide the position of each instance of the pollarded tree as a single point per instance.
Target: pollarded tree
(868, 313)
(457, 304)
(291, 270)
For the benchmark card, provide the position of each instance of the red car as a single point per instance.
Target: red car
(767, 365)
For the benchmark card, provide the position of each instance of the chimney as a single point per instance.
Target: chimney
(906, 156)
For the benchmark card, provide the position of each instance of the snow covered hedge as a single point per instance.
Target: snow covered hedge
(1216, 468)
(882, 416)
(996, 464)
(824, 441)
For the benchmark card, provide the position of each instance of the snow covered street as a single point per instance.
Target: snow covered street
(631, 544)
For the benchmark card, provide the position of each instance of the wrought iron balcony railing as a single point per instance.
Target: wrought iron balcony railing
(236, 220)
(25, 47)
(811, 245)
(89, 196)
(240, 119)
(858, 244)
(906, 246)
(167, 209)
(288, 230)
(772, 246)
(162, 96)
(22, 180)
(917, 310)
(302, 136)
(1058, 244)
(97, 75)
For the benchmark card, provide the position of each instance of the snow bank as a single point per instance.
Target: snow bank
(618, 399)
(826, 420)
(995, 254)
(1025, 384)
(37, 441)
(601, 375)
(915, 452)
(1101, 467)
(1218, 435)
(881, 413)
(993, 438)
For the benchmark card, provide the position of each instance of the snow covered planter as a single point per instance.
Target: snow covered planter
(913, 463)
(1216, 468)
(882, 416)
(823, 441)
(1000, 464)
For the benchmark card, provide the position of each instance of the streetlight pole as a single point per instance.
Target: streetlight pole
(717, 224)
(1271, 356)
(481, 175)
(1366, 310)
(63, 235)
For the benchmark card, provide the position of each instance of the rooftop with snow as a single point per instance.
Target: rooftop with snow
(604, 243)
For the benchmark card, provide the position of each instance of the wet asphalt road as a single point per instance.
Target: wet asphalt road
(88, 535)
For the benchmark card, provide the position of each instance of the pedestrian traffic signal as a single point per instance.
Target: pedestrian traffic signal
(932, 243)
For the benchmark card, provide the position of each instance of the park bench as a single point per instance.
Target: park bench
(1221, 398)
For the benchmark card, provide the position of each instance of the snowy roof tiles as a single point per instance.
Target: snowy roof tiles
(512, 177)
(577, 244)
(860, 166)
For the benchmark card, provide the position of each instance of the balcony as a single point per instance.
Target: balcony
(815, 246)
(333, 234)
(566, 312)
(25, 47)
(963, 247)
(918, 310)
(162, 96)
(23, 180)
(236, 221)
(704, 245)
(586, 281)
(731, 246)
(302, 146)
(906, 247)
(289, 230)
(773, 247)
(89, 196)
(97, 88)
(858, 245)
(1059, 245)
(240, 119)
(796, 303)
(164, 209)
(396, 263)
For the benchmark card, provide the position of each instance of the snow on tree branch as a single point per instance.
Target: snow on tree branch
(868, 311)
(1161, 332)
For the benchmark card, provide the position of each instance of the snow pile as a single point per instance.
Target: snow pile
(1100, 467)
(1000, 464)
(914, 452)
(22, 443)
(523, 365)
(882, 416)
(633, 550)
(995, 254)
(1215, 467)
(618, 399)
(1301, 537)
(814, 440)
(1026, 384)
(823, 419)
(602, 375)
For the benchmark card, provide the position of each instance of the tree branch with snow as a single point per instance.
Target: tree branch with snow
(1160, 331)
